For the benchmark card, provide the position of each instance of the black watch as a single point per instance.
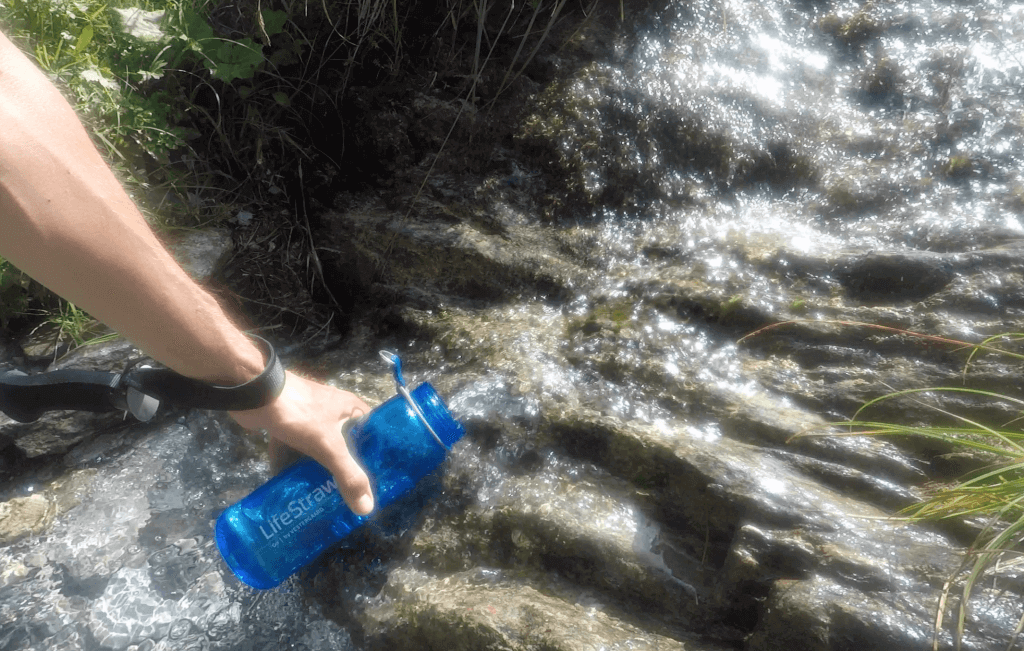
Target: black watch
(173, 388)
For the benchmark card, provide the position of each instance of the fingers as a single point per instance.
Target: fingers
(353, 484)
(352, 481)
(307, 417)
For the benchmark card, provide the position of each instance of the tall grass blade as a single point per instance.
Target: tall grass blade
(995, 492)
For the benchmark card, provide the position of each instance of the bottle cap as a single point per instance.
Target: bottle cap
(428, 406)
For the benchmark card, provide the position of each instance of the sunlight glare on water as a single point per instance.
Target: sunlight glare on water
(721, 169)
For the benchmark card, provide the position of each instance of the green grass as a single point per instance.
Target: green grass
(83, 48)
(73, 323)
(995, 493)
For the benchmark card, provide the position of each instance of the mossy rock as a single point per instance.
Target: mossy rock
(588, 126)
(882, 84)
(853, 32)
(609, 316)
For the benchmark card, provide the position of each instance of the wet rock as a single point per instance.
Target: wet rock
(596, 535)
(457, 612)
(779, 167)
(455, 249)
(881, 85)
(885, 277)
(435, 119)
(111, 356)
(961, 124)
(35, 513)
(960, 168)
(22, 516)
(771, 529)
(819, 614)
(853, 31)
(48, 343)
(201, 253)
(739, 495)
(45, 344)
(867, 196)
(56, 432)
(758, 417)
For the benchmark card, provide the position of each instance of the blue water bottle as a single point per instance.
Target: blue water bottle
(286, 523)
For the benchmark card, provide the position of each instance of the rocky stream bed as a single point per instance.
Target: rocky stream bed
(628, 480)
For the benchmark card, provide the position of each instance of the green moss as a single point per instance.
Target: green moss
(958, 167)
(611, 316)
(779, 168)
(1015, 198)
(729, 306)
(854, 31)
(841, 199)
(882, 83)
(650, 480)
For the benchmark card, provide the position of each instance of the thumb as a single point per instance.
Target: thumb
(352, 481)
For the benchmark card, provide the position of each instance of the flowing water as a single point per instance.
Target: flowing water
(628, 479)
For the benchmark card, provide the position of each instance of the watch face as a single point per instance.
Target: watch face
(142, 406)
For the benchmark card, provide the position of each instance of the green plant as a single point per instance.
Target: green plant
(84, 49)
(226, 59)
(729, 306)
(958, 166)
(74, 323)
(995, 493)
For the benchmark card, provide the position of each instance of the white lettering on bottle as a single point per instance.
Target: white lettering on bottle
(298, 510)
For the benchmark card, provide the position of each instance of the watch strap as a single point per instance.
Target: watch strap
(176, 389)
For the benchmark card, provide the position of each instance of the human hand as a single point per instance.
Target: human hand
(307, 417)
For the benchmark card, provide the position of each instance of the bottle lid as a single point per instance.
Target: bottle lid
(428, 406)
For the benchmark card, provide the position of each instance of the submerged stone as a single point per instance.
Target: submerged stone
(895, 276)
(22, 516)
(460, 613)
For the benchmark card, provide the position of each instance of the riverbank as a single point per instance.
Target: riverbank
(238, 115)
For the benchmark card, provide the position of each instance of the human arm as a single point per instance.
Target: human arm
(66, 221)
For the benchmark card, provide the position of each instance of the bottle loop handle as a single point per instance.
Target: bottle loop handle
(396, 366)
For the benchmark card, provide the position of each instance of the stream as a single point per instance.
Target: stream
(629, 478)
